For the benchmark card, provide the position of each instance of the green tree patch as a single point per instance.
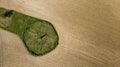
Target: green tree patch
(39, 36)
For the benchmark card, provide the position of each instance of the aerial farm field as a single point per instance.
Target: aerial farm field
(59, 33)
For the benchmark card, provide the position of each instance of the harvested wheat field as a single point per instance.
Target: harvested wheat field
(88, 30)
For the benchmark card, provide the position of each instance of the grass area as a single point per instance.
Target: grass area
(39, 36)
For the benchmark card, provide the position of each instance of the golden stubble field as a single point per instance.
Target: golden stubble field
(89, 32)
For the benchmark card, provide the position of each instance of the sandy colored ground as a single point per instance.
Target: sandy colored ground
(89, 33)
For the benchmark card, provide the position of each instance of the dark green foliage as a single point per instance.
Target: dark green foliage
(39, 36)
(8, 13)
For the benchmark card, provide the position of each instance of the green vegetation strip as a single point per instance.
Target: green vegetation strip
(39, 36)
